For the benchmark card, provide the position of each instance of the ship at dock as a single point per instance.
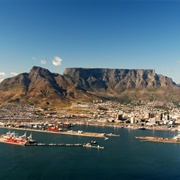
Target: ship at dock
(14, 138)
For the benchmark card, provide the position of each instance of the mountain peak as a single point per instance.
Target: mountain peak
(38, 69)
(82, 84)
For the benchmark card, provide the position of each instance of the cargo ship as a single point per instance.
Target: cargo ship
(14, 138)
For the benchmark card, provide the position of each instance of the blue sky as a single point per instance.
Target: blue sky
(58, 34)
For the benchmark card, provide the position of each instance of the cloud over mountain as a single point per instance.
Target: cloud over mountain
(57, 61)
(2, 74)
(43, 62)
(14, 73)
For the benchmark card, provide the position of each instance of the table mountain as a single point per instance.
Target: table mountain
(84, 84)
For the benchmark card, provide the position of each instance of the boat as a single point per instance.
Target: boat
(14, 138)
(88, 145)
(141, 128)
(129, 127)
(30, 140)
(7, 135)
(177, 137)
(93, 142)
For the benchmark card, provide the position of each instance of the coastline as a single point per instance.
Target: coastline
(95, 134)
(75, 133)
(129, 126)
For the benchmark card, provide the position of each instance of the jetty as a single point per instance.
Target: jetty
(82, 133)
(70, 132)
(86, 145)
(54, 144)
(159, 139)
(14, 139)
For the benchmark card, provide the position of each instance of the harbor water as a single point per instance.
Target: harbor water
(123, 157)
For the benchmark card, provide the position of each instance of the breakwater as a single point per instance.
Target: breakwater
(158, 139)
(86, 145)
(74, 133)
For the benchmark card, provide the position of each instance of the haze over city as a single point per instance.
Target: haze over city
(121, 34)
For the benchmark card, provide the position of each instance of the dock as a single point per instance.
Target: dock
(86, 134)
(158, 139)
(74, 133)
(86, 145)
(53, 144)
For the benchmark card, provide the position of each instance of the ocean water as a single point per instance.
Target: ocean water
(124, 157)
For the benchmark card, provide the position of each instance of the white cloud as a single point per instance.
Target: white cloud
(57, 61)
(14, 73)
(2, 73)
(1, 80)
(178, 61)
(43, 61)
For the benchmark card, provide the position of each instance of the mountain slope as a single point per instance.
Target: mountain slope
(81, 84)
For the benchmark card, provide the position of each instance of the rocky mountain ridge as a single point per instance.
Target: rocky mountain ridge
(84, 84)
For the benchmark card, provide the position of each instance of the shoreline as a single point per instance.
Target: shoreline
(95, 134)
(129, 126)
(74, 133)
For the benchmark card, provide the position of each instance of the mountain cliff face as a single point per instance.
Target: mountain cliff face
(117, 78)
(76, 84)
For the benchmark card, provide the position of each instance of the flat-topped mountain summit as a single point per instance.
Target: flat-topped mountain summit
(85, 84)
(117, 79)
